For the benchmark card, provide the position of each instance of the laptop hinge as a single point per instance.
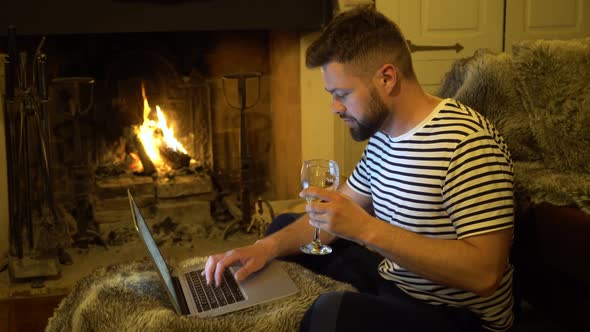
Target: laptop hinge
(180, 295)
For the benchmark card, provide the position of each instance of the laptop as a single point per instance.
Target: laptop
(189, 293)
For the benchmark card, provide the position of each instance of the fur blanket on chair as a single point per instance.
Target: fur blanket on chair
(538, 97)
(130, 297)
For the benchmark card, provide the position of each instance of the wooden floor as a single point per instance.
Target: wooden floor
(27, 314)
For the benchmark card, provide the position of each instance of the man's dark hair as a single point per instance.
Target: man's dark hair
(364, 38)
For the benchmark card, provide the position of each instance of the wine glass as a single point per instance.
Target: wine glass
(318, 173)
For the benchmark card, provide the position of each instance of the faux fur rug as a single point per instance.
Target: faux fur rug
(554, 82)
(538, 97)
(130, 297)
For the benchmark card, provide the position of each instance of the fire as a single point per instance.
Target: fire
(135, 165)
(155, 135)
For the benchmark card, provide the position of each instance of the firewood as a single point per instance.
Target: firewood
(148, 165)
(176, 159)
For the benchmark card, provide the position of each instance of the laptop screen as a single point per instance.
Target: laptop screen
(144, 232)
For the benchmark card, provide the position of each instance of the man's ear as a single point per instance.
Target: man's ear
(387, 77)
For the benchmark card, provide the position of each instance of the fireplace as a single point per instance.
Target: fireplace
(110, 96)
(101, 105)
(100, 83)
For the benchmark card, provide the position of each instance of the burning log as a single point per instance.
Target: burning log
(176, 159)
(157, 141)
(148, 165)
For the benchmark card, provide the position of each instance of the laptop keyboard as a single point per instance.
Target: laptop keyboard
(209, 297)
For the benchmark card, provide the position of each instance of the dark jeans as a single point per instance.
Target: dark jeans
(379, 305)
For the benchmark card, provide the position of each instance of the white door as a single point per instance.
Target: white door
(460, 26)
(546, 19)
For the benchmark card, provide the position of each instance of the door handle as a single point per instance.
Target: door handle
(419, 48)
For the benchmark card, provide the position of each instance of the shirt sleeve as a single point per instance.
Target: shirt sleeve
(478, 188)
(360, 179)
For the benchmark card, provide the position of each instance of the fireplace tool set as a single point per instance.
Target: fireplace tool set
(32, 210)
(246, 216)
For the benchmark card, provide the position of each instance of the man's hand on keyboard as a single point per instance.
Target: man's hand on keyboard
(252, 258)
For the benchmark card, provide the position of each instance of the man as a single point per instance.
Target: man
(431, 198)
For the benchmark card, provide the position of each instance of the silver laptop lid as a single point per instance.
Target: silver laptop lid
(148, 240)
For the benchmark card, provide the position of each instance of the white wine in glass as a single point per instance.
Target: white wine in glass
(321, 173)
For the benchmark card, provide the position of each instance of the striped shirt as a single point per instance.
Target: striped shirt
(448, 178)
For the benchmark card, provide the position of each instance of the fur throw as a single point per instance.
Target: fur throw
(538, 97)
(130, 297)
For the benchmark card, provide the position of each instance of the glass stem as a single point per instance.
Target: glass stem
(316, 235)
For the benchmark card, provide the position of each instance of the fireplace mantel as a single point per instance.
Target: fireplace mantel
(38, 17)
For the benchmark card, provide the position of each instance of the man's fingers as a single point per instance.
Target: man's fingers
(209, 270)
(223, 263)
(243, 272)
(250, 267)
(318, 212)
(319, 193)
(316, 223)
(317, 208)
(251, 257)
(219, 268)
(215, 266)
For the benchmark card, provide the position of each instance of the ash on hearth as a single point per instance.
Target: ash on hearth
(121, 236)
(165, 232)
(168, 231)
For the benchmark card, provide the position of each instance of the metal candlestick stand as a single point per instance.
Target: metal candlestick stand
(79, 166)
(244, 217)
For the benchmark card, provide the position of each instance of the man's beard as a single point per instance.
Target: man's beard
(375, 116)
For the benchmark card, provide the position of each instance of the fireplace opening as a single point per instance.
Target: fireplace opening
(156, 113)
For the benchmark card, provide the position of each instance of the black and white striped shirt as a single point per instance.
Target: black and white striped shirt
(448, 178)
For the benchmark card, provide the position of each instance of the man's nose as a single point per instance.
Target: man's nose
(338, 107)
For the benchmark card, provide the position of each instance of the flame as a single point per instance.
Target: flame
(136, 164)
(155, 133)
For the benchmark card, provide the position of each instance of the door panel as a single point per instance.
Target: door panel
(546, 19)
(471, 23)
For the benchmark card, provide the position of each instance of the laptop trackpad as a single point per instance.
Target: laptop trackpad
(270, 283)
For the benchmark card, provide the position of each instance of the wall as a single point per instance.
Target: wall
(317, 121)
(285, 107)
(323, 134)
(3, 175)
